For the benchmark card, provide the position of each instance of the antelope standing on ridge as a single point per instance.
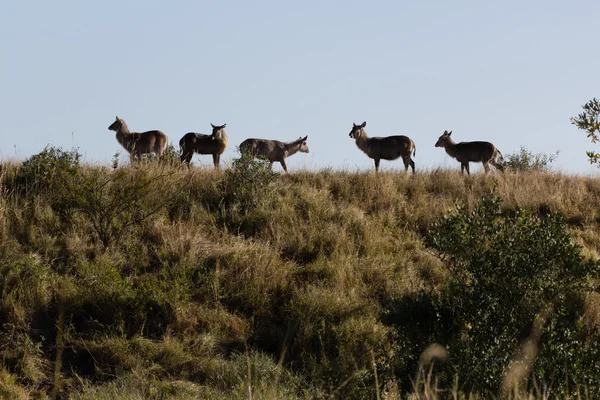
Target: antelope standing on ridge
(465, 152)
(384, 148)
(141, 143)
(273, 150)
(214, 144)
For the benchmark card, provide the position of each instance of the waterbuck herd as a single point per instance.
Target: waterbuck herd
(377, 148)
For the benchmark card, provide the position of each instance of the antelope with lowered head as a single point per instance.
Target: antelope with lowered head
(273, 150)
(465, 152)
(384, 148)
(141, 143)
(214, 144)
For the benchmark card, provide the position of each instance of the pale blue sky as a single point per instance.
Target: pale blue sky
(510, 72)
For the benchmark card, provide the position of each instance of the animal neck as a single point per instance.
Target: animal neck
(293, 147)
(221, 136)
(123, 128)
(361, 141)
(450, 146)
(124, 136)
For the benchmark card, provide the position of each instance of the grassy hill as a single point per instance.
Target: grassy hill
(156, 281)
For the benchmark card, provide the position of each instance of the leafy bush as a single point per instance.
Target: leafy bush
(248, 185)
(46, 169)
(505, 270)
(115, 202)
(171, 156)
(526, 161)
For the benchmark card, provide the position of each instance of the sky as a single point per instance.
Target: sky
(509, 72)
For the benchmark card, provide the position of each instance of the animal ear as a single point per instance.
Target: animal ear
(353, 124)
(449, 133)
(224, 125)
(117, 118)
(305, 137)
(211, 124)
(364, 124)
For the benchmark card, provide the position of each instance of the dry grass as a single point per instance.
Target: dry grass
(167, 310)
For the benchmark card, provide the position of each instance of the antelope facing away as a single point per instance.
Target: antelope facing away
(273, 150)
(214, 144)
(384, 148)
(139, 143)
(465, 152)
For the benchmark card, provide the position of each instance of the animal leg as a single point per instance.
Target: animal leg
(486, 167)
(186, 157)
(216, 159)
(408, 162)
(463, 167)
(271, 164)
(377, 160)
(284, 165)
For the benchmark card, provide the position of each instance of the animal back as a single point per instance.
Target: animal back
(474, 151)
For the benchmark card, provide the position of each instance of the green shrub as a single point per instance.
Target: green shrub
(171, 156)
(246, 190)
(505, 270)
(526, 161)
(118, 201)
(248, 185)
(47, 169)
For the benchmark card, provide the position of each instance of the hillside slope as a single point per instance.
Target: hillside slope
(164, 282)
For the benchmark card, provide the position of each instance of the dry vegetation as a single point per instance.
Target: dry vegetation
(154, 282)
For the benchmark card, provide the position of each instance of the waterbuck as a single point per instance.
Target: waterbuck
(214, 144)
(465, 152)
(139, 143)
(273, 150)
(384, 148)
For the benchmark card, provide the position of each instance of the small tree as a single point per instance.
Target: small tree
(589, 120)
(114, 202)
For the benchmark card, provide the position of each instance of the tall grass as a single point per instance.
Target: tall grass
(155, 281)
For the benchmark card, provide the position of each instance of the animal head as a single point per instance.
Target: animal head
(218, 131)
(443, 138)
(357, 130)
(115, 126)
(303, 146)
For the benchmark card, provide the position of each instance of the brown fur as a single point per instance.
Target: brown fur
(214, 144)
(138, 144)
(273, 150)
(384, 148)
(465, 152)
